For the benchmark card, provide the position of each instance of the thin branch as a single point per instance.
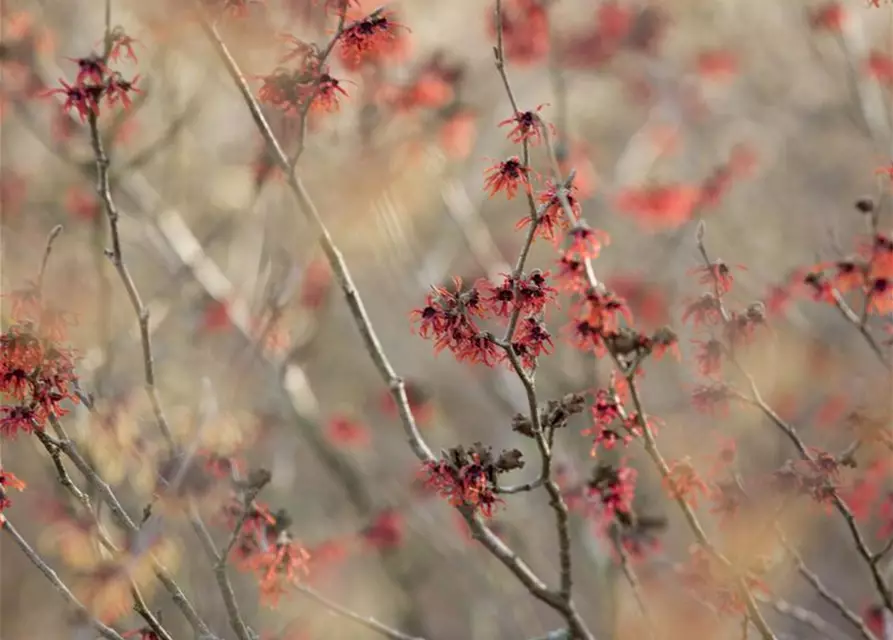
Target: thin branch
(835, 601)
(630, 574)
(234, 614)
(48, 249)
(804, 616)
(103, 189)
(368, 623)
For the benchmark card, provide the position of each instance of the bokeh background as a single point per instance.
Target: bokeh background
(224, 263)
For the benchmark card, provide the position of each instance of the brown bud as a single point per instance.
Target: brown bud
(521, 424)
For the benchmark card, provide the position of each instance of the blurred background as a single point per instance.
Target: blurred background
(257, 354)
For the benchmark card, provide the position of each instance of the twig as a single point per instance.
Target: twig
(48, 249)
(369, 623)
(804, 616)
(103, 189)
(630, 574)
(234, 614)
(835, 601)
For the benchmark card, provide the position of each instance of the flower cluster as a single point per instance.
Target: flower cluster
(37, 373)
(468, 477)
(97, 82)
(306, 84)
(452, 318)
(265, 546)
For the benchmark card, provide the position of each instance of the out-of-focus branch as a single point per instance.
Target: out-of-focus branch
(103, 190)
(756, 399)
(102, 629)
(236, 621)
(119, 514)
(835, 601)
(347, 614)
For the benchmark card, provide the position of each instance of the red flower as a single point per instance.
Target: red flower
(526, 126)
(551, 213)
(507, 176)
(880, 296)
(373, 37)
(585, 242)
(83, 99)
(660, 207)
(531, 340)
(467, 485)
(386, 531)
(117, 88)
(829, 17)
(215, 316)
(91, 69)
(880, 66)
(718, 274)
(8, 481)
(343, 429)
(122, 44)
(281, 565)
(328, 92)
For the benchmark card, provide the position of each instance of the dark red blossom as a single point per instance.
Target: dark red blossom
(526, 126)
(531, 340)
(530, 295)
(602, 310)
(467, 477)
(85, 100)
(551, 215)
(507, 176)
(117, 88)
(370, 38)
(91, 70)
(584, 242)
